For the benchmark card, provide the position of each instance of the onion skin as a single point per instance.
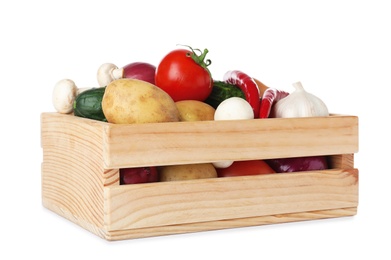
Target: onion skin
(140, 70)
(138, 175)
(300, 103)
(297, 164)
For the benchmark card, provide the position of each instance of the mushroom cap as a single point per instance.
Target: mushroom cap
(223, 164)
(234, 108)
(108, 72)
(64, 94)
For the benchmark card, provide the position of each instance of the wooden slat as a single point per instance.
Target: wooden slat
(172, 203)
(229, 223)
(197, 142)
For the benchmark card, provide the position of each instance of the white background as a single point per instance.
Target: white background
(339, 50)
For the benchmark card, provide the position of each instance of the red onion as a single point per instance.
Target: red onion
(297, 164)
(138, 175)
(140, 70)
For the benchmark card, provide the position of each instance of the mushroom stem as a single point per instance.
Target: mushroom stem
(108, 72)
(81, 90)
(118, 73)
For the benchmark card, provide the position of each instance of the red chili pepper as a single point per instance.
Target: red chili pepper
(247, 85)
(269, 98)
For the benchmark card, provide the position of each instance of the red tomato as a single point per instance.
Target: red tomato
(243, 168)
(184, 75)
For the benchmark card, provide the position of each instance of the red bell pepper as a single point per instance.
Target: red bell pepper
(247, 85)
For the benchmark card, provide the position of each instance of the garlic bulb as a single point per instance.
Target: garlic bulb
(300, 103)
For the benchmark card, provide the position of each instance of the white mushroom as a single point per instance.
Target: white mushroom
(64, 94)
(108, 72)
(222, 164)
(234, 108)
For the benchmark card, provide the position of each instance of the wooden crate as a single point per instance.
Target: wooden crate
(82, 157)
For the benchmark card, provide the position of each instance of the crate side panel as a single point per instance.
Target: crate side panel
(228, 223)
(73, 176)
(209, 141)
(152, 205)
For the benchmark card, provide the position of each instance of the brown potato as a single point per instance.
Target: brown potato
(187, 172)
(132, 101)
(194, 110)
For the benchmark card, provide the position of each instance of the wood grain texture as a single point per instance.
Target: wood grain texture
(73, 176)
(227, 223)
(152, 205)
(341, 161)
(82, 157)
(206, 141)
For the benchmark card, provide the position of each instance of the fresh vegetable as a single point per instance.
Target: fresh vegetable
(300, 103)
(234, 108)
(88, 104)
(184, 75)
(222, 164)
(262, 87)
(221, 91)
(194, 110)
(187, 172)
(243, 168)
(64, 94)
(140, 70)
(129, 101)
(269, 98)
(138, 175)
(247, 85)
(108, 72)
(297, 164)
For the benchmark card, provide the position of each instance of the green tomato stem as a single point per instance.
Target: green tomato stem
(200, 59)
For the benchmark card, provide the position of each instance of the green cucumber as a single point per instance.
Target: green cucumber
(88, 104)
(221, 91)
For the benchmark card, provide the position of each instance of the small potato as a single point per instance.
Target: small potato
(187, 172)
(194, 110)
(133, 101)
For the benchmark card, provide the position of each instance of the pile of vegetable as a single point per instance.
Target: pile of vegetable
(181, 88)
